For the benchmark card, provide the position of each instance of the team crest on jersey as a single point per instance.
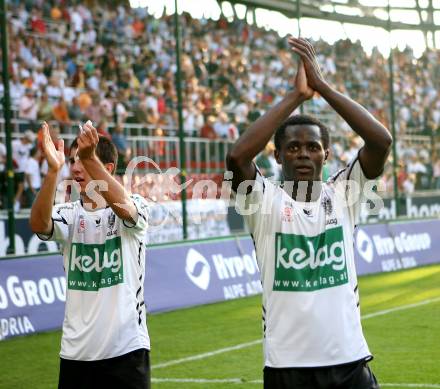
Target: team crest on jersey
(111, 220)
(328, 210)
(81, 225)
(111, 225)
(306, 264)
(287, 215)
(327, 205)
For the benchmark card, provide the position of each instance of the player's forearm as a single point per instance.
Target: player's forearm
(41, 212)
(359, 119)
(259, 133)
(115, 195)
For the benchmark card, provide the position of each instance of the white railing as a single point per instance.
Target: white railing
(201, 155)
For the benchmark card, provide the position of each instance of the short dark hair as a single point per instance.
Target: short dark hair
(105, 150)
(302, 119)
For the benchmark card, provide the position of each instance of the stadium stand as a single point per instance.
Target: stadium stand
(115, 65)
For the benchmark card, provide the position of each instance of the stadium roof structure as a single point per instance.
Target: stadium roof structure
(422, 15)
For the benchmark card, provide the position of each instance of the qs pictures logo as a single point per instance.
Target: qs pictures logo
(198, 269)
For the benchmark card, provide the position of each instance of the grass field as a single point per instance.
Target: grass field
(218, 346)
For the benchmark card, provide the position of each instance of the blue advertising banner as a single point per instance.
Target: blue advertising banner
(200, 273)
(33, 290)
(32, 295)
(395, 246)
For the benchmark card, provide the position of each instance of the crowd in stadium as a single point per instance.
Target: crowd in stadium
(116, 66)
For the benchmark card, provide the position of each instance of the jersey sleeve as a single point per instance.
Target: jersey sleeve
(350, 183)
(62, 219)
(142, 208)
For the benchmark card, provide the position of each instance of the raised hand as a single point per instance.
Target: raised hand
(306, 51)
(301, 85)
(87, 141)
(54, 154)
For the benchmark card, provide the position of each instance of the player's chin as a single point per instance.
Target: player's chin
(304, 177)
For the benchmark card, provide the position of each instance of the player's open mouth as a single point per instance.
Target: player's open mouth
(79, 179)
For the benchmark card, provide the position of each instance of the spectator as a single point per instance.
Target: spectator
(141, 108)
(102, 129)
(207, 131)
(74, 110)
(93, 111)
(17, 90)
(222, 125)
(53, 90)
(20, 154)
(28, 109)
(76, 20)
(32, 182)
(45, 109)
(84, 100)
(61, 115)
(417, 170)
(409, 184)
(37, 23)
(79, 78)
(124, 152)
(106, 107)
(120, 110)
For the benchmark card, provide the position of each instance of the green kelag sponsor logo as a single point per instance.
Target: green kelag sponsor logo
(95, 266)
(305, 264)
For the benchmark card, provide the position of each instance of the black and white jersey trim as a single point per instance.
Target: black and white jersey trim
(350, 167)
(264, 320)
(139, 292)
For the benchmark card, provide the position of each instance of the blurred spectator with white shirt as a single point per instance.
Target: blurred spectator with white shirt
(21, 149)
(32, 182)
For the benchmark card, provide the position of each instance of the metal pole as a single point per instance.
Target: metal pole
(298, 20)
(393, 114)
(298, 16)
(7, 114)
(180, 117)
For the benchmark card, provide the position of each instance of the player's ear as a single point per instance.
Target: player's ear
(276, 154)
(326, 153)
(110, 167)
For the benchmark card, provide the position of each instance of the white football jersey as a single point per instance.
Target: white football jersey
(311, 314)
(104, 262)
